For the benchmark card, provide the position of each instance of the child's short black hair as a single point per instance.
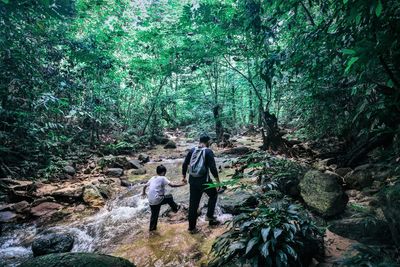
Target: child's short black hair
(161, 169)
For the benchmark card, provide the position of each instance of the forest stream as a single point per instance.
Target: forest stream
(120, 227)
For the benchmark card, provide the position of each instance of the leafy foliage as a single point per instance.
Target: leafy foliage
(267, 236)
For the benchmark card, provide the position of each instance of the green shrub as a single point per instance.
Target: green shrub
(271, 235)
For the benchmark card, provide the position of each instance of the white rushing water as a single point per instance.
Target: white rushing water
(97, 233)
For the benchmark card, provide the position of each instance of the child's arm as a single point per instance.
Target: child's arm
(176, 185)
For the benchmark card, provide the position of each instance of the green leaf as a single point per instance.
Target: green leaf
(6, 1)
(350, 63)
(348, 51)
(265, 232)
(265, 250)
(345, 1)
(358, 18)
(251, 244)
(277, 232)
(378, 10)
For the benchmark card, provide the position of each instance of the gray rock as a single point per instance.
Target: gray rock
(69, 170)
(114, 172)
(170, 145)
(144, 158)
(234, 201)
(52, 243)
(77, 260)
(7, 216)
(137, 171)
(322, 193)
(134, 164)
(45, 208)
(366, 230)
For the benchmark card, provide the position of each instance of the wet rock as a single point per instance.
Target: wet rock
(170, 145)
(69, 170)
(366, 230)
(134, 164)
(92, 196)
(77, 260)
(7, 216)
(45, 208)
(92, 165)
(144, 158)
(233, 203)
(52, 243)
(137, 171)
(21, 207)
(115, 172)
(322, 193)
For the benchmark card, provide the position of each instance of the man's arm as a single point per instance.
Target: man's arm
(212, 165)
(185, 165)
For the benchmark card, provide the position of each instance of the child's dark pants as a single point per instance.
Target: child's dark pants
(155, 210)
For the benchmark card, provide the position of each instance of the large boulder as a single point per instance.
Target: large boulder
(77, 260)
(233, 202)
(170, 145)
(93, 197)
(322, 193)
(366, 230)
(69, 170)
(52, 243)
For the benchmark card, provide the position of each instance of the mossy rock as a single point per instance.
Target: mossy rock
(77, 260)
(322, 193)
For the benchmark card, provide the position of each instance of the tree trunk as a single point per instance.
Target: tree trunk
(219, 130)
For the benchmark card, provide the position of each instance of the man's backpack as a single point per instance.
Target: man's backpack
(197, 166)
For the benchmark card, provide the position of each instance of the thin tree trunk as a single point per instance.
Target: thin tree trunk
(162, 83)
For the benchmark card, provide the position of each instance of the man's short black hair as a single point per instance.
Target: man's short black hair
(204, 138)
(161, 169)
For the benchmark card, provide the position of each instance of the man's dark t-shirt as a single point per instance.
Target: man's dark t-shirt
(209, 164)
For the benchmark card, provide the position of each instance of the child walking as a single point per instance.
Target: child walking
(157, 196)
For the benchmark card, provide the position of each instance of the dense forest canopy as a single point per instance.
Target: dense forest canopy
(114, 73)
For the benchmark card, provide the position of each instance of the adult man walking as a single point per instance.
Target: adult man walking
(200, 162)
